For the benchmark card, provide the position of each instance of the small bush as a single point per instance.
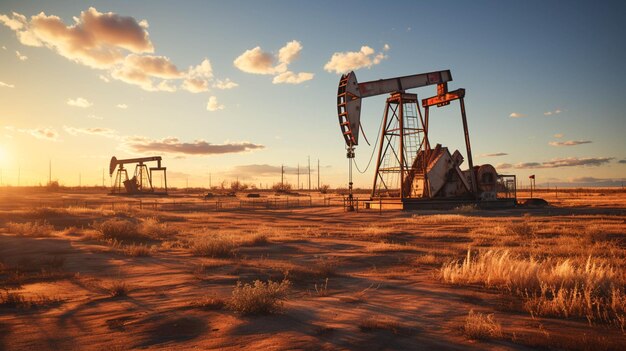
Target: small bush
(31, 228)
(522, 229)
(259, 297)
(479, 326)
(256, 239)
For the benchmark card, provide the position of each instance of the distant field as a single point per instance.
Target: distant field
(83, 270)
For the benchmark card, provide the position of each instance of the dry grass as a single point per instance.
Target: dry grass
(19, 301)
(388, 247)
(479, 326)
(210, 303)
(127, 230)
(259, 297)
(213, 246)
(33, 229)
(385, 324)
(138, 250)
(591, 290)
(118, 288)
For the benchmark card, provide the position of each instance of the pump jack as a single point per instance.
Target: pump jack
(141, 182)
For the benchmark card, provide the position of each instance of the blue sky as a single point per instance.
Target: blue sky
(556, 65)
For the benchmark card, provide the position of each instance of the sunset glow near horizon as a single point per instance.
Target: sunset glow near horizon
(233, 90)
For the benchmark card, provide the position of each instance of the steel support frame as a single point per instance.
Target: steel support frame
(394, 105)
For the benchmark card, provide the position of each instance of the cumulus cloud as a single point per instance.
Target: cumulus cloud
(197, 77)
(559, 162)
(343, 62)
(173, 145)
(213, 104)
(49, 134)
(292, 78)
(516, 115)
(105, 132)
(20, 56)
(6, 85)
(550, 113)
(257, 61)
(122, 106)
(569, 142)
(79, 102)
(95, 39)
(118, 44)
(225, 84)
(494, 154)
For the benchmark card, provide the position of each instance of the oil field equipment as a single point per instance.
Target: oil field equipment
(141, 182)
(408, 170)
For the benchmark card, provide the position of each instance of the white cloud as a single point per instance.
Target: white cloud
(343, 62)
(104, 78)
(203, 70)
(122, 106)
(105, 132)
(550, 113)
(225, 84)
(79, 102)
(92, 116)
(20, 56)
(292, 78)
(257, 61)
(569, 142)
(6, 85)
(195, 85)
(386, 47)
(43, 133)
(213, 104)
(289, 52)
(96, 39)
(516, 115)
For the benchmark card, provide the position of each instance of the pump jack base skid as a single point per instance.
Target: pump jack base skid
(437, 204)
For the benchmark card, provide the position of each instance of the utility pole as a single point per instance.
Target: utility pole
(80, 180)
(282, 176)
(318, 174)
(209, 180)
(309, 157)
(298, 183)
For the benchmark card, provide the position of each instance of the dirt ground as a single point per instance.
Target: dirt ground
(359, 281)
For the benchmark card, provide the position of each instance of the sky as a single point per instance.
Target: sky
(227, 90)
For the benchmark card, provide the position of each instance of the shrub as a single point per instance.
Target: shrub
(119, 229)
(259, 297)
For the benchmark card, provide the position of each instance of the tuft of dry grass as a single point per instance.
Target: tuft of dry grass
(118, 288)
(154, 229)
(255, 239)
(383, 323)
(17, 300)
(138, 250)
(479, 326)
(213, 246)
(127, 230)
(554, 287)
(259, 297)
(33, 229)
(210, 303)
